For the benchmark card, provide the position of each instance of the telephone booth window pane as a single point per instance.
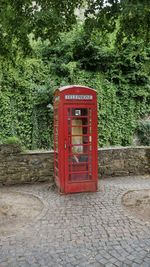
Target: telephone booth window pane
(79, 112)
(78, 122)
(77, 149)
(85, 121)
(76, 177)
(80, 149)
(77, 139)
(75, 158)
(80, 129)
(81, 139)
(87, 139)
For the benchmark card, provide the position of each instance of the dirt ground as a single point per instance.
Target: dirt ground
(17, 210)
(138, 203)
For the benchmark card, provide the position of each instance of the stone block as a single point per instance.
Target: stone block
(10, 149)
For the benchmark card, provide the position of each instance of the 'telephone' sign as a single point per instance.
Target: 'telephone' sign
(78, 97)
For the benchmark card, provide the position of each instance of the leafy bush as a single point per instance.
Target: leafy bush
(143, 132)
(12, 140)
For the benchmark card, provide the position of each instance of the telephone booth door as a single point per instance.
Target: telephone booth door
(79, 147)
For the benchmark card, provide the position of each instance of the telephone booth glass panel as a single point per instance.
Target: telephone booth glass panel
(79, 156)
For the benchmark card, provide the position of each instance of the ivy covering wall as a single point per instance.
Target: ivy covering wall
(120, 76)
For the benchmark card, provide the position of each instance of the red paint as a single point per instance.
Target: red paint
(75, 139)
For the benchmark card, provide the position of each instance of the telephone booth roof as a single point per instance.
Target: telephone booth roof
(75, 93)
(74, 87)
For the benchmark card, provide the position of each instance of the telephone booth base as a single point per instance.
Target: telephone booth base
(79, 188)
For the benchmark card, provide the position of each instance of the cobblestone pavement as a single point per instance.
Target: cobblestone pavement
(89, 229)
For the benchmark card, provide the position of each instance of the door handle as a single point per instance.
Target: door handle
(65, 144)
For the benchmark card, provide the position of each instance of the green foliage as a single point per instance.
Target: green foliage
(116, 115)
(12, 140)
(20, 107)
(132, 16)
(44, 19)
(143, 132)
(119, 74)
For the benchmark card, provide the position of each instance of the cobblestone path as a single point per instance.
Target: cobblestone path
(89, 229)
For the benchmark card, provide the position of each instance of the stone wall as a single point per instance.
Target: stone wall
(124, 161)
(17, 167)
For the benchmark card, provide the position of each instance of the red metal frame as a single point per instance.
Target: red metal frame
(75, 155)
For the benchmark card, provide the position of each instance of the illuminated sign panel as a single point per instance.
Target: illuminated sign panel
(78, 97)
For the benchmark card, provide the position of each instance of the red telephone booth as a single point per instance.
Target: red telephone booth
(75, 139)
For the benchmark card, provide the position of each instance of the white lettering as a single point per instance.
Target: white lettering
(78, 97)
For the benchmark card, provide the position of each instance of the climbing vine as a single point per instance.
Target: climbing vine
(120, 76)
